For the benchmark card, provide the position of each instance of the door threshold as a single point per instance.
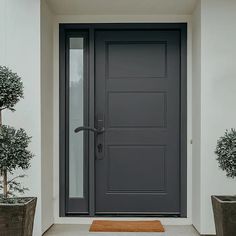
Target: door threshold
(88, 220)
(127, 214)
(136, 214)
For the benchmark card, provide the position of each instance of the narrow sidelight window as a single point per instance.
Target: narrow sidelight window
(76, 117)
(74, 111)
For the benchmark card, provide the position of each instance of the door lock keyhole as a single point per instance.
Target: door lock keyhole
(100, 148)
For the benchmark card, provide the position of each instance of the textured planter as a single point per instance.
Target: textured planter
(17, 219)
(224, 208)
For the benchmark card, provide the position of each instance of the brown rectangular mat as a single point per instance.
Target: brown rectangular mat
(126, 226)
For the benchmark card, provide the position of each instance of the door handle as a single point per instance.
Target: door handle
(99, 139)
(85, 128)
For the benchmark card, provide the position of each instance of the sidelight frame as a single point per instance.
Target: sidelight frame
(66, 30)
(69, 203)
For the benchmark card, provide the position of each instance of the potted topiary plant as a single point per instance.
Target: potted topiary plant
(224, 207)
(16, 213)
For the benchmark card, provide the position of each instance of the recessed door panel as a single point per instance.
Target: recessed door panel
(124, 56)
(141, 176)
(152, 113)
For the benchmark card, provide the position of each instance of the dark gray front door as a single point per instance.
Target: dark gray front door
(137, 100)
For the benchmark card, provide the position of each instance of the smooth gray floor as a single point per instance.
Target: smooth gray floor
(82, 230)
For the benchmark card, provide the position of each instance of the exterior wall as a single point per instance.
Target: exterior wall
(218, 91)
(2, 31)
(213, 92)
(115, 19)
(196, 111)
(214, 89)
(47, 115)
(20, 50)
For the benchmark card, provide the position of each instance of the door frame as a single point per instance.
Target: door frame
(64, 31)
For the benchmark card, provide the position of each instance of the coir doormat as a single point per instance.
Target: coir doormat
(126, 226)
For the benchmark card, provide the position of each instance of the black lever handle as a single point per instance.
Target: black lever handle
(84, 128)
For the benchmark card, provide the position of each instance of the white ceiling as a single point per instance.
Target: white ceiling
(122, 7)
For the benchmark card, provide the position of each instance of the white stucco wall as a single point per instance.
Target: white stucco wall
(20, 50)
(2, 31)
(218, 95)
(47, 115)
(211, 111)
(196, 111)
(214, 96)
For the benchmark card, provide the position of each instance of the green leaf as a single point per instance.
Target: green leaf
(11, 88)
(226, 152)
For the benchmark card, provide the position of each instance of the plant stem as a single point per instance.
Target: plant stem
(3, 172)
(0, 126)
(5, 183)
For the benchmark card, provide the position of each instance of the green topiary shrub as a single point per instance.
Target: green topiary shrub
(11, 88)
(226, 152)
(14, 143)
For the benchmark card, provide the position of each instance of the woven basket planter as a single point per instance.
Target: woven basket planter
(17, 219)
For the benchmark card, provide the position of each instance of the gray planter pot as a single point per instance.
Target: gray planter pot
(17, 219)
(224, 208)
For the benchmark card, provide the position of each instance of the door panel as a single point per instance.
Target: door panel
(152, 114)
(153, 182)
(137, 92)
(123, 58)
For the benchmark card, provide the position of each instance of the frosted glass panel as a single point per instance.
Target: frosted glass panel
(76, 118)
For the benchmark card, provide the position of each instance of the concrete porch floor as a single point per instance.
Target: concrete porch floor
(83, 230)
